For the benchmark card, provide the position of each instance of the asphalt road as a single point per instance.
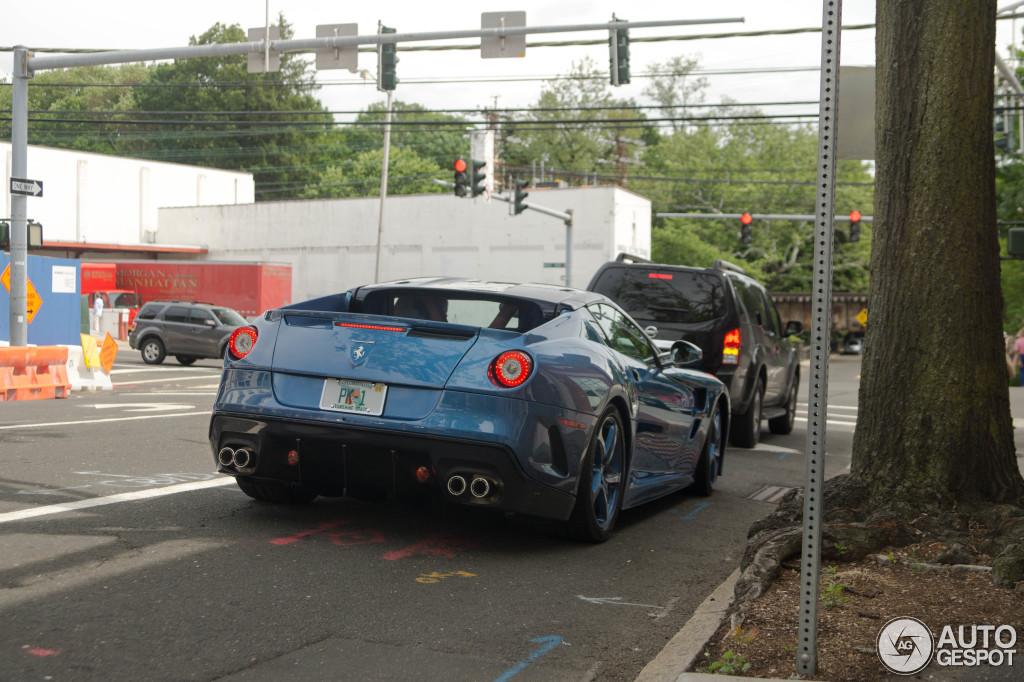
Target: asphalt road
(155, 568)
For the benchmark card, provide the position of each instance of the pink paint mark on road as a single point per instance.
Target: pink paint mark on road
(438, 546)
(301, 535)
(351, 538)
(40, 651)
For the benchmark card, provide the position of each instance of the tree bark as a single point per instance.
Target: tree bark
(934, 426)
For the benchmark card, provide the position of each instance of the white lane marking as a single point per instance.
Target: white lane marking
(765, 447)
(101, 421)
(136, 370)
(848, 408)
(143, 407)
(133, 496)
(168, 380)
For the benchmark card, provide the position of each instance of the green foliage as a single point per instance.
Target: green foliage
(729, 663)
(359, 176)
(834, 592)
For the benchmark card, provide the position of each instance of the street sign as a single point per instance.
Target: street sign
(493, 47)
(30, 188)
(256, 59)
(337, 57)
(554, 265)
(862, 317)
(34, 301)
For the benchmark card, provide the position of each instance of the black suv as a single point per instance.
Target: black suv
(188, 331)
(733, 320)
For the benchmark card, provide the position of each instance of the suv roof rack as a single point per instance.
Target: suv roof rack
(726, 265)
(628, 257)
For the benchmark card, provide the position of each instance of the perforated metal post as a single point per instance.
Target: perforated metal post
(821, 310)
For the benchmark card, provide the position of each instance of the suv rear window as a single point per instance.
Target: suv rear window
(664, 295)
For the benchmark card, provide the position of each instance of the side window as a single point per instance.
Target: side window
(176, 313)
(751, 301)
(199, 316)
(622, 334)
(149, 311)
(773, 314)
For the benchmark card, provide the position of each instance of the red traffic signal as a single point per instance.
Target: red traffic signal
(460, 165)
(855, 216)
(746, 219)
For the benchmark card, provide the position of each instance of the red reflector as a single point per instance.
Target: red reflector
(378, 327)
(293, 457)
(659, 275)
(422, 474)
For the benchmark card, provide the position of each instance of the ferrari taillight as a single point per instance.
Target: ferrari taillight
(731, 347)
(241, 342)
(510, 369)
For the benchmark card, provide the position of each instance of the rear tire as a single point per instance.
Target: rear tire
(710, 459)
(275, 492)
(185, 360)
(783, 424)
(745, 431)
(153, 352)
(601, 482)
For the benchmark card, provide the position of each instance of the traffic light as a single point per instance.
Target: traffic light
(855, 225)
(520, 204)
(387, 58)
(745, 233)
(478, 183)
(461, 179)
(618, 48)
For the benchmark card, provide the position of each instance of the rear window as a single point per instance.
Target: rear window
(229, 317)
(652, 294)
(475, 310)
(176, 313)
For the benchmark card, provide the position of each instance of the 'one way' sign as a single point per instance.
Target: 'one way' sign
(30, 188)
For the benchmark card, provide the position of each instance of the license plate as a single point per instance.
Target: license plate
(360, 397)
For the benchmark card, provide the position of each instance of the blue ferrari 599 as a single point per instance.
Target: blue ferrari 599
(525, 398)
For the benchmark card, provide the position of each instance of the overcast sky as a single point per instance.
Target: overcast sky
(135, 24)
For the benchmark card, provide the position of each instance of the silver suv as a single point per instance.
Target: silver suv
(188, 331)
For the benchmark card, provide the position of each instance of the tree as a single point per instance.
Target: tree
(674, 88)
(359, 176)
(930, 431)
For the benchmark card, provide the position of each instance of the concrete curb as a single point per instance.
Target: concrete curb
(688, 644)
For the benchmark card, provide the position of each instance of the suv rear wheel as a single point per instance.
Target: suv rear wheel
(746, 428)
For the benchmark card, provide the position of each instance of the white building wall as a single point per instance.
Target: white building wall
(112, 199)
(331, 244)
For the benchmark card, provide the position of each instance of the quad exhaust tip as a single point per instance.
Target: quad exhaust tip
(225, 457)
(480, 487)
(241, 459)
(456, 485)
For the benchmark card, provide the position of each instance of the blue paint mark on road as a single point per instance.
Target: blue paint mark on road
(692, 514)
(547, 643)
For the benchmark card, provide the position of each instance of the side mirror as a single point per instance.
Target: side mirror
(684, 353)
(793, 328)
(651, 331)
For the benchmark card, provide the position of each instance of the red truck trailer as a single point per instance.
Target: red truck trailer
(249, 288)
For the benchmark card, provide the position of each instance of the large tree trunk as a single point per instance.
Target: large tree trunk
(934, 425)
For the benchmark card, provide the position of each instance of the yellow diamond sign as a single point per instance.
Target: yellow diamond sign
(862, 317)
(33, 303)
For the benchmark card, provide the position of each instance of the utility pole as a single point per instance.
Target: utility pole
(19, 207)
(383, 183)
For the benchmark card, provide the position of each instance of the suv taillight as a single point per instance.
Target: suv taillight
(241, 342)
(731, 347)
